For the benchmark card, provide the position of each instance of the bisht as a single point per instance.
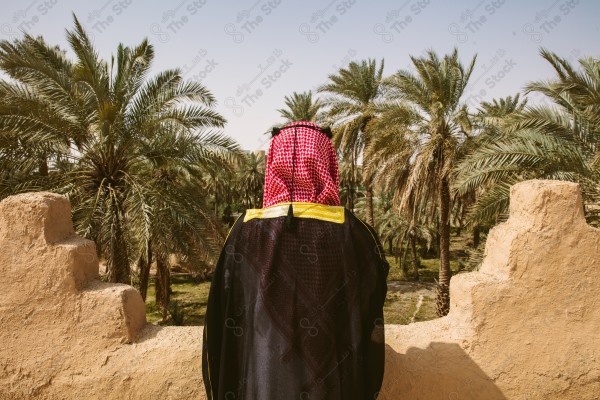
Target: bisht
(296, 313)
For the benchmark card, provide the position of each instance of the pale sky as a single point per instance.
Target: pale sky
(252, 53)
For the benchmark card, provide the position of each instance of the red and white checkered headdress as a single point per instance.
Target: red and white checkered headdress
(301, 166)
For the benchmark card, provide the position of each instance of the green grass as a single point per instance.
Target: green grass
(429, 271)
(192, 297)
(400, 308)
(401, 303)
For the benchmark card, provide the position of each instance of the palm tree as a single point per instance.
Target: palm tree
(391, 153)
(429, 123)
(251, 178)
(542, 141)
(354, 91)
(126, 148)
(350, 179)
(181, 222)
(398, 228)
(484, 206)
(401, 231)
(218, 183)
(301, 107)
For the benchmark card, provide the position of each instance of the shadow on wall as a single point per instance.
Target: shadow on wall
(426, 375)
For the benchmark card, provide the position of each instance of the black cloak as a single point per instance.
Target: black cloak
(296, 314)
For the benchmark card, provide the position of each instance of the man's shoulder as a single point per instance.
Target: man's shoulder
(354, 220)
(363, 229)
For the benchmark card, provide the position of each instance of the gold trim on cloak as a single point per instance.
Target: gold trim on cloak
(301, 210)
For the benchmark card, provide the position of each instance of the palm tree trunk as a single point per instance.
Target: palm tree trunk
(367, 181)
(414, 258)
(141, 265)
(216, 205)
(403, 263)
(369, 199)
(44, 166)
(463, 216)
(443, 289)
(353, 180)
(119, 270)
(162, 285)
(348, 197)
(436, 242)
(476, 236)
(144, 266)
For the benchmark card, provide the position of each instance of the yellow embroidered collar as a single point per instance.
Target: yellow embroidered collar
(301, 209)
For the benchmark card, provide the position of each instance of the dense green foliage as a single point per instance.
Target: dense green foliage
(154, 181)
